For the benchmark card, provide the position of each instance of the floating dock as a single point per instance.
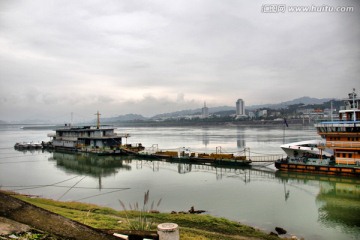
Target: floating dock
(218, 158)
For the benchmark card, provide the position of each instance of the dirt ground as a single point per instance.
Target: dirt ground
(17, 216)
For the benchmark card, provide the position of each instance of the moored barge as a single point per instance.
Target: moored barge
(99, 139)
(186, 155)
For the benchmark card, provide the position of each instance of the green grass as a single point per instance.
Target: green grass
(192, 226)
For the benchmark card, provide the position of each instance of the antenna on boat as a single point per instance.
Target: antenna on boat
(331, 111)
(98, 120)
(354, 107)
(285, 124)
(72, 116)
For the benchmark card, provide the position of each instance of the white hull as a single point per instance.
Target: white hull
(299, 149)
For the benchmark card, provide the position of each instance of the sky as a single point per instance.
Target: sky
(148, 57)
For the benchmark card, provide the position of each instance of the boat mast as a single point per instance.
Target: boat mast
(72, 116)
(331, 112)
(98, 120)
(353, 105)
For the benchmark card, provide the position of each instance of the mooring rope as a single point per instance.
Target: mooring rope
(49, 185)
(71, 187)
(96, 195)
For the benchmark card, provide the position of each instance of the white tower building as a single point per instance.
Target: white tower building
(205, 111)
(240, 107)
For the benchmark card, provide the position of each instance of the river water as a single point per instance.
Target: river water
(308, 206)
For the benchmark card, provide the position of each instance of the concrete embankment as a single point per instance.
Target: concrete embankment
(17, 214)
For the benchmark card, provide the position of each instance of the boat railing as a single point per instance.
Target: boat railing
(337, 124)
(66, 138)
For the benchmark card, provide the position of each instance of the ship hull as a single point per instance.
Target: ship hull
(351, 171)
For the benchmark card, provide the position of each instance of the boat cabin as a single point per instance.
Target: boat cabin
(343, 136)
(86, 137)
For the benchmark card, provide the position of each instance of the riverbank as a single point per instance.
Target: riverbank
(175, 123)
(211, 123)
(25, 215)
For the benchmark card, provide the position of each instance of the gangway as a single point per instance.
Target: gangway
(266, 158)
(260, 157)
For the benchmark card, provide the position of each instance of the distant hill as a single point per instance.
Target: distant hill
(193, 112)
(304, 100)
(2, 122)
(123, 118)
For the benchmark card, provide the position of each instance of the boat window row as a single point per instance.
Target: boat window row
(350, 139)
(99, 133)
(338, 129)
(344, 155)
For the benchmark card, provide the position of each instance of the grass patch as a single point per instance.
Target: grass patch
(192, 226)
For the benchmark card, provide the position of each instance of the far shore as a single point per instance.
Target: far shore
(174, 123)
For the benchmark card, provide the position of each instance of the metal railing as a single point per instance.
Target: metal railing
(266, 158)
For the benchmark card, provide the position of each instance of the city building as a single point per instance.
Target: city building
(240, 107)
(205, 111)
(262, 113)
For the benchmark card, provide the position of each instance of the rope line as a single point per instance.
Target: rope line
(71, 187)
(9, 186)
(101, 194)
(49, 185)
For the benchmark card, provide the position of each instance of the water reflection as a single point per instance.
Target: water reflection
(104, 166)
(240, 138)
(339, 203)
(338, 199)
(90, 164)
(205, 137)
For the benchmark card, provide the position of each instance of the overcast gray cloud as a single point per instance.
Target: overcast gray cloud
(150, 57)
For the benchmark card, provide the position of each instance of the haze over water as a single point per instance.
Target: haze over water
(309, 206)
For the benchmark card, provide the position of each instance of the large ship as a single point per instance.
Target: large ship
(99, 139)
(339, 151)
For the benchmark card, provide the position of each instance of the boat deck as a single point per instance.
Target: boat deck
(310, 161)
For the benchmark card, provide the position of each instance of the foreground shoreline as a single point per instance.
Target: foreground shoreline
(63, 220)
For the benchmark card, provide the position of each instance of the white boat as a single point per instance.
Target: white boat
(38, 145)
(28, 145)
(309, 147)
(31, 145)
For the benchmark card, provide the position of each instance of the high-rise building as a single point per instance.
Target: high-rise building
(205, 111)
(240, 107)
